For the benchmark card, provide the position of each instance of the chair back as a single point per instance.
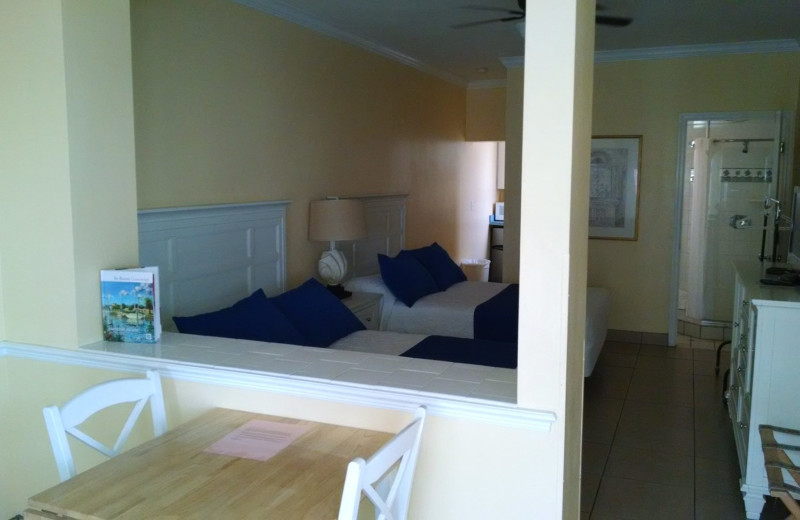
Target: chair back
(386, 478)
(65, 420)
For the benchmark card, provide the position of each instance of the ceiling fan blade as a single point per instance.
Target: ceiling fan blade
(484, 22)
(613, 21)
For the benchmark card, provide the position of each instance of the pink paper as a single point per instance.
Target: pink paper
(257, 439)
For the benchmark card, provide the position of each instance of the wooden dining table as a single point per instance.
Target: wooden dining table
(177, 475)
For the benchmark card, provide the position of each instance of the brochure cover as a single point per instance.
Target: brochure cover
(130, 305)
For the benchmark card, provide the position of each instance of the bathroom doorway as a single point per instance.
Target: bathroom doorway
(729, 187)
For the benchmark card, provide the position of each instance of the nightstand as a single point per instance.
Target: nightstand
(366, 307)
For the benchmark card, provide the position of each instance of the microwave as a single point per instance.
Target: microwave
(499, 210)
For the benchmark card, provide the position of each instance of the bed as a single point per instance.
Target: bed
(451, 312)
(222, 273)
(447, 312)
(310, 315)
(212, 257)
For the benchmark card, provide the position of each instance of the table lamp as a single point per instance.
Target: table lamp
(331, 220)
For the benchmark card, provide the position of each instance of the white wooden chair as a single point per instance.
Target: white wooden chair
(66, 419)
(386, 477)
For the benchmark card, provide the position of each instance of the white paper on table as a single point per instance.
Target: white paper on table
(257, 439)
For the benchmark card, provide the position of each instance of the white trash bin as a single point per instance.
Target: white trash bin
(476, 269)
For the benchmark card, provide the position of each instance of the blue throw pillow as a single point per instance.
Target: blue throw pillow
(321, 316)
(442, 268)
(254, 317)
(406, 277)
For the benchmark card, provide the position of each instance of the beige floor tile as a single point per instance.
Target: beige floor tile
(614, 359)
(644, 425)
(626, 498)
(650, 465)
(717, 507)
(658, 435)
(708, 393)
(657, 392)
(716, 477)
(683, 341)
(600, 418)
(594, 456)
(608, 381)
(664, 363)
(668, 352)
(715, 443)
(704, 344)
(589, 486)
(619, 347)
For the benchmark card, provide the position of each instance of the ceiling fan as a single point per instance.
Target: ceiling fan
(519, 14)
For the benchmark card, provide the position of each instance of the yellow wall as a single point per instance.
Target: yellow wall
(35, 176)
(67, 193)
(486, 114)
(515, 81)
(7, 494)
(233, 105)
(647, 98)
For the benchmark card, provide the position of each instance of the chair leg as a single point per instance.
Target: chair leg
(719, 351)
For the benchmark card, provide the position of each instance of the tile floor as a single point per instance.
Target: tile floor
(657, 442)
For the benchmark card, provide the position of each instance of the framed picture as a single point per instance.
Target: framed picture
(614, 187)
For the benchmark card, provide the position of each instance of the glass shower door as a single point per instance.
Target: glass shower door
(731, 166)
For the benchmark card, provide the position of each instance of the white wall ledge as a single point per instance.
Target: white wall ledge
(452, 406)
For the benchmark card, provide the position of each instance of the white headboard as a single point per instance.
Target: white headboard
(212, 256)
(386, 234)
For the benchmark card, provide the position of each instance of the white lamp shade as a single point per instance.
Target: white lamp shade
(336, 219)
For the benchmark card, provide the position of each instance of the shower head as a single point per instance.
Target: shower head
(744, 148)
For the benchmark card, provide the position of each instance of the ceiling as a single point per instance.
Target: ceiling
(420, 33)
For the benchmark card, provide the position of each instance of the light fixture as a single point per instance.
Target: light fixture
(332, 220)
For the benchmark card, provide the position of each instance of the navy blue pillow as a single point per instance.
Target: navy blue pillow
(321, 316)
(254, 317)
(442, 268)
(406, 277)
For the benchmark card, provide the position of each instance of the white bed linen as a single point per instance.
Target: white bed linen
(598, 304)
(376, 342)
(446, 313)
(451, 312)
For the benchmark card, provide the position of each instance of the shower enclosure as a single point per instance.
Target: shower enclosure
(730, 170)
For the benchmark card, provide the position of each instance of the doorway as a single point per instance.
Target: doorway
(729, 187)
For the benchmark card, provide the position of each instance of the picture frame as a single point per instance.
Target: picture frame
(615, 167)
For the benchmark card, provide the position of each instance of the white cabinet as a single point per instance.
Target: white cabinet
(764, 373)
(366, 307)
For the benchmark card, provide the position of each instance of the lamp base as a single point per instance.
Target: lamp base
(339, 291)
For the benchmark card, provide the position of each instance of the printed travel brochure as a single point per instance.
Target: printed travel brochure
(130, 305)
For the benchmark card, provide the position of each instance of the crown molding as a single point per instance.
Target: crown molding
(281, 10)
(290, 14)
(484, 84)
(694, 51)
(513, 62)
(680, 51)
